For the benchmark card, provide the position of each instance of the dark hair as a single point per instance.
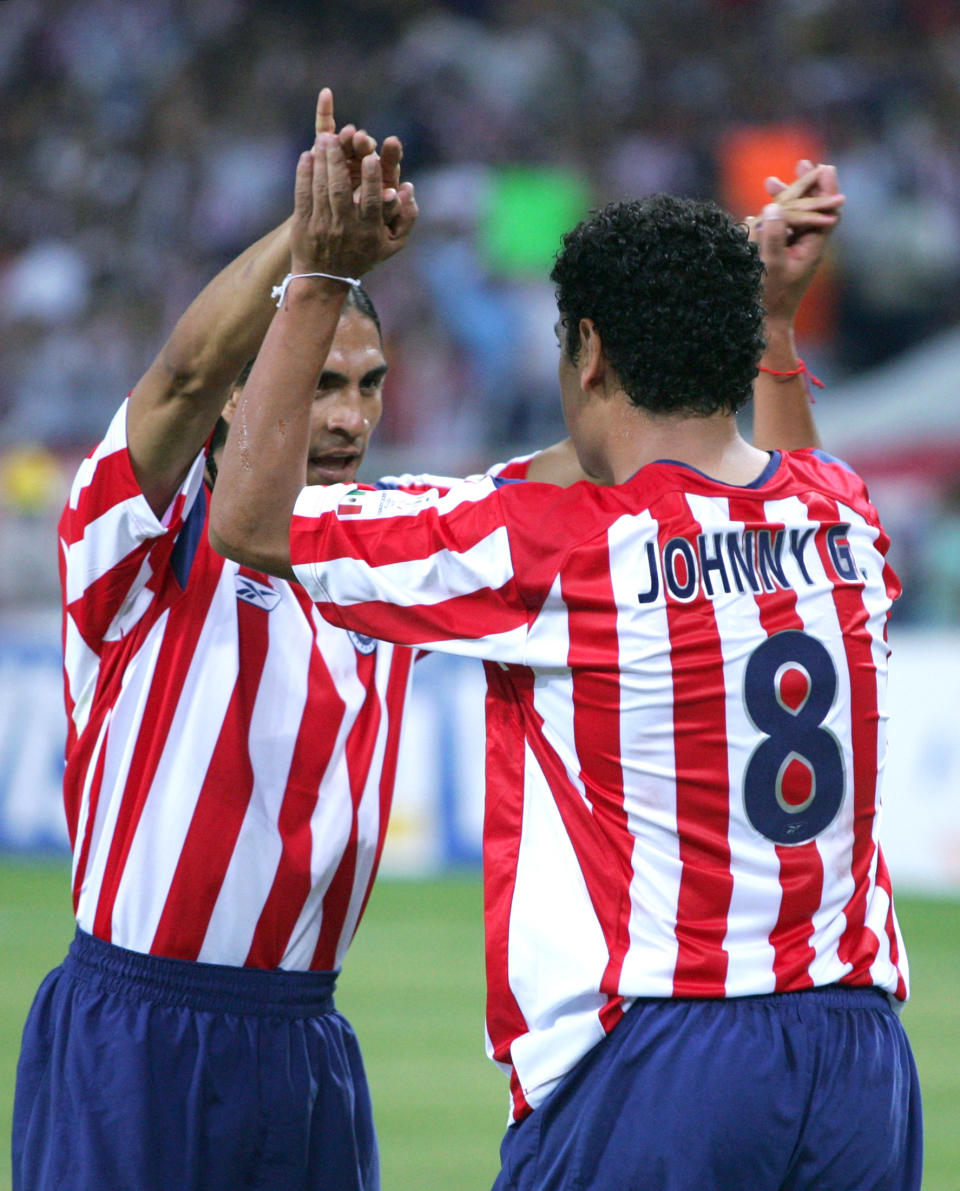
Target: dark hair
(674, 288)
(360, 300)
(357, 299)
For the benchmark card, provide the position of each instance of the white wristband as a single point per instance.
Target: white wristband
(279, 291)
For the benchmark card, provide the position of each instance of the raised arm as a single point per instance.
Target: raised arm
(792, 235)
(333, 237)
(175, 404)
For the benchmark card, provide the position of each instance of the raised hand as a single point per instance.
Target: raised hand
(336, 231)
(358, 144)
(813, 200)
(792, 234)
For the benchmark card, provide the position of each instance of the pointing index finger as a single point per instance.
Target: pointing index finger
(324, 119)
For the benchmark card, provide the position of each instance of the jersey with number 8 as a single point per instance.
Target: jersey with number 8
(686, 728)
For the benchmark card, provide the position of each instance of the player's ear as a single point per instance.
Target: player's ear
(591, 358)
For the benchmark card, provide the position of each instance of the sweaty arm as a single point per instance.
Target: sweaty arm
(333, 238)
(175, 404)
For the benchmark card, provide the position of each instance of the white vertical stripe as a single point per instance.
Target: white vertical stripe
(551, 918)
(81, 667)
(649, 759)
(553, 688)
(882, 970)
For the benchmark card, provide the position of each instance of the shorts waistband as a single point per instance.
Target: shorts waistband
(841, 996)
(202, 986)
(829, 996)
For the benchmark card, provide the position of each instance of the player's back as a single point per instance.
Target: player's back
(722, 716)
(685, 727)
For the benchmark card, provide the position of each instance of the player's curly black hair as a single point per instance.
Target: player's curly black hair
(674, 289)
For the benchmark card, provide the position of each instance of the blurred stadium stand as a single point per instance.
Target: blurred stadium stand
(144, 142)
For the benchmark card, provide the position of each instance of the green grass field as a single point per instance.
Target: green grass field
(413, 989)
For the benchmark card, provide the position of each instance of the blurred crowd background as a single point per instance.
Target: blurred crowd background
(143, 143)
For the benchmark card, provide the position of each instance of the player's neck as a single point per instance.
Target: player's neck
(711, 444)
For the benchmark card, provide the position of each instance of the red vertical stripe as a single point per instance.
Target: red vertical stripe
(502, 824)
(801, 869)
(67, 695)
(175, 656)
(96, 782)
(359, 749)
(801, 885)
(593, 658)
(589, 837)
(702, 788)
(221, 805)
(394, 698)
(890, 926)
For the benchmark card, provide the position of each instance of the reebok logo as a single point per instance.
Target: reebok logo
(252, 591)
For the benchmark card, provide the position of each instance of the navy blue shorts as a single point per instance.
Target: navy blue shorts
(140, 1073)
(807, 1091)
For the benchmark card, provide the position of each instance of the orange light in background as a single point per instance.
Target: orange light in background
(745, 156)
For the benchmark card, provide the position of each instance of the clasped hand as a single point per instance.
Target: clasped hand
(792, 235)
(350, 210)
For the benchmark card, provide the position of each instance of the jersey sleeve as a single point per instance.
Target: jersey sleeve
(431, 568)
(112, 545)
(417, 483)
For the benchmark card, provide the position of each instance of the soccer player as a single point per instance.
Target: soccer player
(692, 952)
(230, 766)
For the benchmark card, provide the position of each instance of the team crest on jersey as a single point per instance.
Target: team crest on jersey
(252, 591)
(362, 643)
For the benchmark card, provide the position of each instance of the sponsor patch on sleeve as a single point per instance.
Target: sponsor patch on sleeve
(352, 503)
(367, 502)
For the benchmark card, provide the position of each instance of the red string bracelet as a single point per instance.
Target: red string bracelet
(800, 370)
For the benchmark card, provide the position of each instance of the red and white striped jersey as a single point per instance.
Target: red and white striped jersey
(230, 755)
(686, 726)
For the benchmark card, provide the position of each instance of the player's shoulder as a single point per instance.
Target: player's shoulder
(104, 479)
(517, 468)
(825, 472)
(553, 515)
(818, 459)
